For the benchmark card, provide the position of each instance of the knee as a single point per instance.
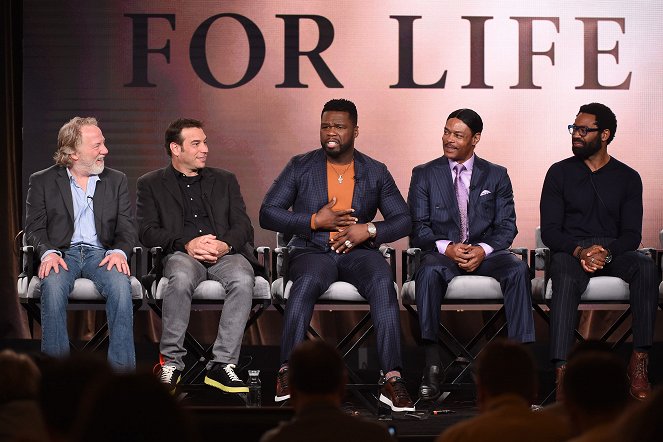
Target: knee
(309, 283)
(521, 268)
(181, 280)
(55, 289)
(117, 282)
(245, 279)
(432, 276)
(561, 259)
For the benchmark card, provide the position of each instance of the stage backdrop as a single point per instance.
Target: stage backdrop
(258, 73)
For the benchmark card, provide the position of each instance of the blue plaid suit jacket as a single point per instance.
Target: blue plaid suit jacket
(301, 190)
(434, 207)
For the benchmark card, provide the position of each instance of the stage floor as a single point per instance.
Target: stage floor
(235, 421)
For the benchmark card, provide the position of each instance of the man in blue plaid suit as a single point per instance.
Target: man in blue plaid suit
(326, 199)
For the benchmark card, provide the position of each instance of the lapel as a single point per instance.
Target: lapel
(476, 185)
(65, 191)
(360, 181)
(170, 184)
(97, 202)
(319, 178)
(445, 184)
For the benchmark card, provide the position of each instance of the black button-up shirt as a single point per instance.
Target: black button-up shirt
(196, 220)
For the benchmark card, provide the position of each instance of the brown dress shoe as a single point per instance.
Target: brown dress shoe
(637, 374)
(282, 387)
(559, 380)
(394, 394)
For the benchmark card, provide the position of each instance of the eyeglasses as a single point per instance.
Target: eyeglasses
(582, 130)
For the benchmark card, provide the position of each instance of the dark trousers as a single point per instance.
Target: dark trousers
(312, 272)
(569, 281)
(436, 272)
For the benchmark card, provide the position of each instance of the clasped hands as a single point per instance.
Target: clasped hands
(350, 234)
(206, 248)
(593, 258)
(467, 256)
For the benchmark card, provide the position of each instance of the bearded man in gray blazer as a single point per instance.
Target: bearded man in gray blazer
(464, 221)
(197, 215)
(78, 219)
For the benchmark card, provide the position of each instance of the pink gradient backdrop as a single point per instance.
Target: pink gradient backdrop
(78, 58)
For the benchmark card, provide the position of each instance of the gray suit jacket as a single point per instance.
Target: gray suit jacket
(434, 208)
(49, 220)
(160, 210)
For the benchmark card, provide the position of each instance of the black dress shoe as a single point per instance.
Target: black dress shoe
(433, 376)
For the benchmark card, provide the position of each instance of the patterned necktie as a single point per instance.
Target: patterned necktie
(462, 197)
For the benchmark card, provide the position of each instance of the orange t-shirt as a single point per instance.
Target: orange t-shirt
(343, 191)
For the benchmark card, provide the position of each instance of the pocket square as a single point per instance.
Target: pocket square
(485, 192)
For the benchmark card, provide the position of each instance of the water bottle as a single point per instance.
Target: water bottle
(254, 398)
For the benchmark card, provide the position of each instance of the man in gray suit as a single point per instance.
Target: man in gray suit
(464, 221)
(197, 215)
(78, 219)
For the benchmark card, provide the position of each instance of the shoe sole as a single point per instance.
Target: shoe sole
(281, 398)
(385, 400)
(220, 386)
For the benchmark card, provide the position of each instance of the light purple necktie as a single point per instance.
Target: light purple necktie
(462, 197)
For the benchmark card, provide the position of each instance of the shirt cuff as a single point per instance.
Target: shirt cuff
(442, 245)
(108, 252)
(486, 248)
(48, 252)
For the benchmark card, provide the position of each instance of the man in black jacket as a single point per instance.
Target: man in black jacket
(197, 215)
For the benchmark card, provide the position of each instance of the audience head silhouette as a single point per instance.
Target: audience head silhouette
(505, 367)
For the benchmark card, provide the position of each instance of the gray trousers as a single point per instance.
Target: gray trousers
(184, 273)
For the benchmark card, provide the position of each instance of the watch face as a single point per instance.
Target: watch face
(372, 230)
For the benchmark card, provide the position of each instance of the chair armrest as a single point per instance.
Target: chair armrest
(27, 256)
(542, 262)
(137, 259)
(154, 261)
(648, 251)
(154, 270)
(265, 253)
(522, 252)
(411, 258)
(390, 255)
(280, 262)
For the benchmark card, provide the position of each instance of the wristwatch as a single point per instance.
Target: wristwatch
(608, 257)
(372, 231)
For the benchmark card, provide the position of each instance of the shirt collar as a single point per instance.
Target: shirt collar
(73, 180)
(180, 176)
(469, 164)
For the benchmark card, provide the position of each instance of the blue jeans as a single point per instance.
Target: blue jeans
(114, 286)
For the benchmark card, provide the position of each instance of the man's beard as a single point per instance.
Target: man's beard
(93, 168)
(587, 150)
(337, 153)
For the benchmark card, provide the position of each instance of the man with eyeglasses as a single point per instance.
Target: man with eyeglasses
(591, 219)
